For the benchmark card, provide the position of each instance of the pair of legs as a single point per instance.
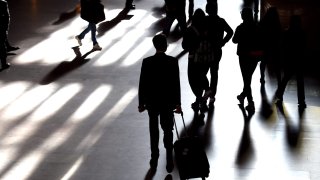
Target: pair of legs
(166, 122)
(170, 17)
(93, 29)
(288, 74)
(214, 68)
(248, 65)
(199, 83)
(272, 61)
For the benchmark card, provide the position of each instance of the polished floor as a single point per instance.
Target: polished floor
(65, 117)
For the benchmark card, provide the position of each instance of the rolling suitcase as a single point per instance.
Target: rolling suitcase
(190, 156)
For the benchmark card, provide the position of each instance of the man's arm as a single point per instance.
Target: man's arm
(177, 88)
(142, 86)
(229, 33)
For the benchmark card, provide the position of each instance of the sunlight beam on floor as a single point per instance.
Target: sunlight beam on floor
(25, 166)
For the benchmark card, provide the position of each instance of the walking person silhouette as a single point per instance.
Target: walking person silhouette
(294, 47)
(195, 42)
(92, 11)
(219, 33)
(271, 33)
(159, 94)
(248, 38)
(175, 9)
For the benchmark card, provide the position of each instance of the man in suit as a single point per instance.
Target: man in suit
(159, 94)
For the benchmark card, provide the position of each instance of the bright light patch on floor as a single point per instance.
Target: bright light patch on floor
(27, 102)
(136, 29)
(56, 102)
(11, 91)
(97, 131)
(73, 169)
(57, 47)
(91, 103)
(118, 50)
(32, 124)
(138, 53)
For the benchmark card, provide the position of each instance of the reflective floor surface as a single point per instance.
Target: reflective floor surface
(65, 116)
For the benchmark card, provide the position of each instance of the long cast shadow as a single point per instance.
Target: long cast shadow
(107, 25)
(293, 131)
(68, 15)
(266, 107)
(200, 127)
(245, 149)
(66, 66)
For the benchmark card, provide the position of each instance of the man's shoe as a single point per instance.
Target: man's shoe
(6, 66)
(204, 108)
(302, 105)
(201, 119)
(250, 107)
(241, 99)
(96, 47)
(207, 94)
(79, 40)
(153, 163)
(169, 165)
(195, 106)
(212, 100)
(11, 48)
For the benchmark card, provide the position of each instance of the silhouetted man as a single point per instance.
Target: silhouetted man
(219, 33)
(159, 93)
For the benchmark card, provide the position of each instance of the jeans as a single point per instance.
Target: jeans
(91, 27)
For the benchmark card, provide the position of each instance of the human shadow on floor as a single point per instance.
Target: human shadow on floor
(68, 15)
(293, 131)
(66, 66)
(266, 107)
(200, 127)
(105, 26)
(245, 149)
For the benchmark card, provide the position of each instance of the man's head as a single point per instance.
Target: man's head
(160, 42)
(212, 8)
(247, 14)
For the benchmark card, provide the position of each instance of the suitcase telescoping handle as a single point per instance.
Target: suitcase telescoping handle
(184, 125)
